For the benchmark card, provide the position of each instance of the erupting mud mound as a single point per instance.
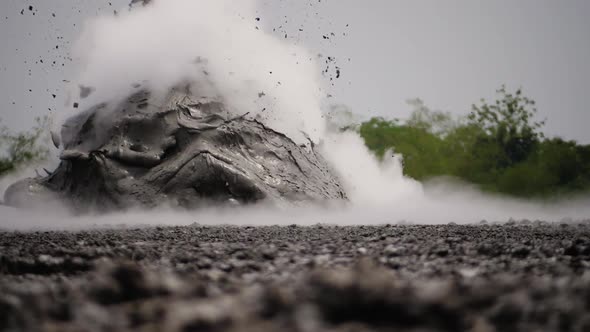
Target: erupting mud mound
(181, 152)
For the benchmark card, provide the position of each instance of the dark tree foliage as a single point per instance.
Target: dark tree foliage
(499, 147)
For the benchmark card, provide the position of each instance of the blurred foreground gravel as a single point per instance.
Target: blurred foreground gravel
(512, 277)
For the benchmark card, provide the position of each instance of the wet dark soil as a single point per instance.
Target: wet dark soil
(512, 277)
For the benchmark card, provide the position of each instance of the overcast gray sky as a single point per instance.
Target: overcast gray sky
(449, 53)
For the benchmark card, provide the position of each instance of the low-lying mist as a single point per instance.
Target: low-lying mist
(440, 204)
(220, 47)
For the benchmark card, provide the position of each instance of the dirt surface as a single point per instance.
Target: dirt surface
(512, 277)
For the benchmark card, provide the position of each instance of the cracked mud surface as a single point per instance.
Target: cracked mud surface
(514, 277)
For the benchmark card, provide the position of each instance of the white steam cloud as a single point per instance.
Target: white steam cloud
(217, 46)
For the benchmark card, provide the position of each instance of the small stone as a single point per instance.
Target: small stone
(521, 252)
(393, 251)
(442, 252)
(572, 250)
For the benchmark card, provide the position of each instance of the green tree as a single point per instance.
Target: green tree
(509, 123)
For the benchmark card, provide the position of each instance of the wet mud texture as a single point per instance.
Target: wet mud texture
(520, 277)
(175, 151)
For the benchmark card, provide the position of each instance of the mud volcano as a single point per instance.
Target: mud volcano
(180, 152)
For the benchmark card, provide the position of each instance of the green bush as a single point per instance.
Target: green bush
(498, 146)
(421, 150)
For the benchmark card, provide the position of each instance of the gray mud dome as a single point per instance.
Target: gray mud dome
(400, 278)
(183, 153)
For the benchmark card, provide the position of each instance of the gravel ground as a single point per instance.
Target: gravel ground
(512, 277)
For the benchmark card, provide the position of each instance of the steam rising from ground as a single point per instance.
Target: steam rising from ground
(217, 46)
